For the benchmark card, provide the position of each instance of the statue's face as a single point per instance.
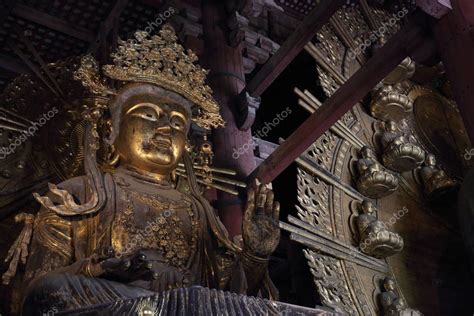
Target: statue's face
(431, 160)
(367, 152)
(368, 207)
(391, 126)
(389, 285)
(152, 135)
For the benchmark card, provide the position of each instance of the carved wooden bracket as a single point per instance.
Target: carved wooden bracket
(237, 25)
(252, 8)
(435, 8)
(246, 110)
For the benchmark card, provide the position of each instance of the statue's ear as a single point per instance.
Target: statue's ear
(108, 129)
(110, 139)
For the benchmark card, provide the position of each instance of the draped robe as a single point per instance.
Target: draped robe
(62, 246)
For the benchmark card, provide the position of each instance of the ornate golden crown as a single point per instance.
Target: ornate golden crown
(158, 60)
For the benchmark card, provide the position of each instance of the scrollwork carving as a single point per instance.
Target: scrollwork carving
(329, 279)
(313, 197)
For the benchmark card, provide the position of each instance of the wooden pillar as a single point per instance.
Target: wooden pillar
(454, 34)
(227, 80)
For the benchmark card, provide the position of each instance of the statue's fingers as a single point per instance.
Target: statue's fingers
(174, 278)
(109, 252)
(261, 198)
(138, 260)
(251, 198)
(111, 264)
(145, 272)
(250, 207)
(148, 265)
(104, 253)
(24, 253)
(276, 211)
(164, 282)
(125, 265)
(95, 269)
(269, 203)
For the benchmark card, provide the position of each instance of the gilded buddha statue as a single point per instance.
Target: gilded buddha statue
(128, 232)
(398, 153)
(388, 103)
(436, 182)
(404, 71)
(375, 238)
(392, 303)
(374, 180)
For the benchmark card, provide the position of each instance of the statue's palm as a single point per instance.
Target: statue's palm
(261, 232)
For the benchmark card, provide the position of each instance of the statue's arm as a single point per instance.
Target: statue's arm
(255, 269)
(361, 166)
(261, 235)
(363, 221)
(241, 273)
(51, 247)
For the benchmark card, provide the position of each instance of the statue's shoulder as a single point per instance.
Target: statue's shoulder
(76, 186)
(80, 185)
(73, 183)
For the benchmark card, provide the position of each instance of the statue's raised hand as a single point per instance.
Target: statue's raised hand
(261, 232)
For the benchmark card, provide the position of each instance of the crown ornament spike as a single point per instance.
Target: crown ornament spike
(159, 60)
(89, 74)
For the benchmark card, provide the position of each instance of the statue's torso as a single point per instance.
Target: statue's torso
(161, 219)
(367, 165)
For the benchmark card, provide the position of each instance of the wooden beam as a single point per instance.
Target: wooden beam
(367, 11)
(6, 7)
(11, 64)
(52, 22)
(108, 25)
(454, 34)
(343, 33)
(404, 43)
(119, 6)
(153, 3)
(310, 26)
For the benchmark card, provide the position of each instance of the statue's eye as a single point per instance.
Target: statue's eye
(147, 115)
(177, 122)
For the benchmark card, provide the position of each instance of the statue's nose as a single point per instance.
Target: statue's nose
(164, 125)
(164, 129)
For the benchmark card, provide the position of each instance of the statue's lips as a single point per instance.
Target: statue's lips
(161, 142)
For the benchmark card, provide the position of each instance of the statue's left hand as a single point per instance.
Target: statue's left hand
(261, 232)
